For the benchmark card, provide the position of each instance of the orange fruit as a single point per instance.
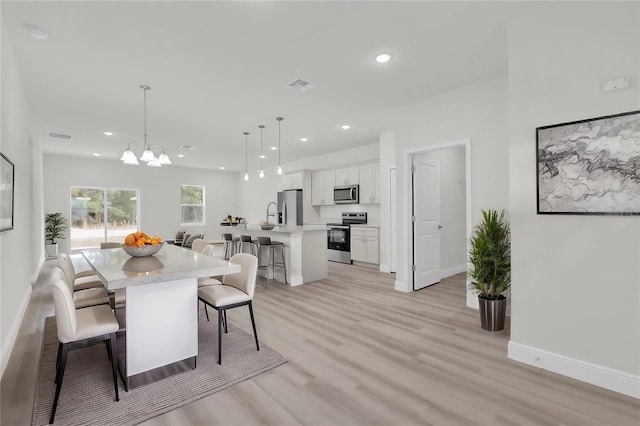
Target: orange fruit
(139, 243)
(129, 240)
(155, 241)
(137, 234)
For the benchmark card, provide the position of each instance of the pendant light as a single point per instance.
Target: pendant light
(261, 171)
(279, 166)
(147, 155)
(246, 156)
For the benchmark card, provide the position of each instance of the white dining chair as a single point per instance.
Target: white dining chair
(80, 282)
(78, 328)
(84, 297)
(236, 290)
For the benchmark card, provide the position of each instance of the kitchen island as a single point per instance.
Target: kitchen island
(305, 249)
(160, 315)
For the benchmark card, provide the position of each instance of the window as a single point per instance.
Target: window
(192, 204)
(102, 214)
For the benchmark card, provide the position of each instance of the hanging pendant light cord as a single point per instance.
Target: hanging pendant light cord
(261, 128)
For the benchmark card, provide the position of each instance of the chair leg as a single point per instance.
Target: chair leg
(219, 336)
(55, 380)
(108, 342)
(206, 312)
(253, 323)
(224, 315)
(114, 362)
(59, 376)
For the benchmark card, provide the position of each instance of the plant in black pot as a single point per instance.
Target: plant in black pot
(54, 227)
(490, 257)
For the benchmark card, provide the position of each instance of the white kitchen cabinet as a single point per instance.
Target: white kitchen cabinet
(322, 184)
(348, 176)
(365, 244)
(292, 181)
(370, 183)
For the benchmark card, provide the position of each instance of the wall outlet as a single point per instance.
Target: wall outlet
(618, 83)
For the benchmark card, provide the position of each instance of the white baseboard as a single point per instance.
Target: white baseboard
(7, 346)
(605, 377)
(444, 273)
(385, 268)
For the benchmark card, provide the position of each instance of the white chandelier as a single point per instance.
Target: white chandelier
(148, 156)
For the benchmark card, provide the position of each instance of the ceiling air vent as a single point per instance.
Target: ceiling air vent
(59, 135)
(301, 85)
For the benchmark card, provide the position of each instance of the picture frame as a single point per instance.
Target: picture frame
(589, 167)
(7, 188)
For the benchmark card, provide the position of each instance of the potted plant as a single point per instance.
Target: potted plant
(54, 229)
(490, 258)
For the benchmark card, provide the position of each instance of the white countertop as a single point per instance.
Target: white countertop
(280, 229)
(116, 269)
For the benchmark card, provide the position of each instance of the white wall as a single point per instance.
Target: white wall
(159, 191)
(20, 260)
(387, 162)
(576, 282)
(257, 193)
(453, 235)
(477, 111)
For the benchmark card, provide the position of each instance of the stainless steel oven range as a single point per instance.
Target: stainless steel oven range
(339, 236)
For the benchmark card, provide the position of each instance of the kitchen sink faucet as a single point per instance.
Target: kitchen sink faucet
(272, 214)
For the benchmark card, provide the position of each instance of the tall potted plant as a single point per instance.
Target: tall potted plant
(53, 229)
(490, 258)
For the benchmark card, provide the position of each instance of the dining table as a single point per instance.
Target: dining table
(160, 315)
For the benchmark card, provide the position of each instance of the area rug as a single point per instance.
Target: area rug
(87, 395)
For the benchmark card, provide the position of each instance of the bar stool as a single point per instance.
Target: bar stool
(230, 245)
(265, 243)
(246, 241)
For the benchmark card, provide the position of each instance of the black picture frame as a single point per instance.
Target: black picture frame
(7, 188)
(589, 167)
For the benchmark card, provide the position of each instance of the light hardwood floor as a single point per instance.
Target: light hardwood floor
(361, 353)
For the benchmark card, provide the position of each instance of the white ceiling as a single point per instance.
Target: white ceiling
(217, 69)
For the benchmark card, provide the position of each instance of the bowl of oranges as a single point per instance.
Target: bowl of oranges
(139, 244)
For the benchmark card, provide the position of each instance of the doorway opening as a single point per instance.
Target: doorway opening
(439, 206)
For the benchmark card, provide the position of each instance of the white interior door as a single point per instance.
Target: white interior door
(392, 221)
(426, 222)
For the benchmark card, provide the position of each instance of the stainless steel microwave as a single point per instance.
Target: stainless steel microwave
(349, 194)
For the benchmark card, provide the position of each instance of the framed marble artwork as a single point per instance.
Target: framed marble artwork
(590, 167)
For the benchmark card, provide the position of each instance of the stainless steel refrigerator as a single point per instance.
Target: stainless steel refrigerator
(290, 207)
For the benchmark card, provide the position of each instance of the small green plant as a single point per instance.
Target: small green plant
(54, 227)
(490, 256)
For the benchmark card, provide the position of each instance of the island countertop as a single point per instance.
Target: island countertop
(279, 229)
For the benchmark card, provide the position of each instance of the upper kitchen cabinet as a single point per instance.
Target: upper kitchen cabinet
(322, 184)
(292, 181)
(370, 184)
(347, 176)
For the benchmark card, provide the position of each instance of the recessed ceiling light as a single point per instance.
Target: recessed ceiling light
(274, 148)
(108, 133)
(180, 155)
(263, 156)
(37, 32)
(303, 139)
(383, 58)
(221, 167)
(95, 154)
(345, 127)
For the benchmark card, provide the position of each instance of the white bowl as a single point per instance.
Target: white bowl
(267, 227)
(143, 251)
